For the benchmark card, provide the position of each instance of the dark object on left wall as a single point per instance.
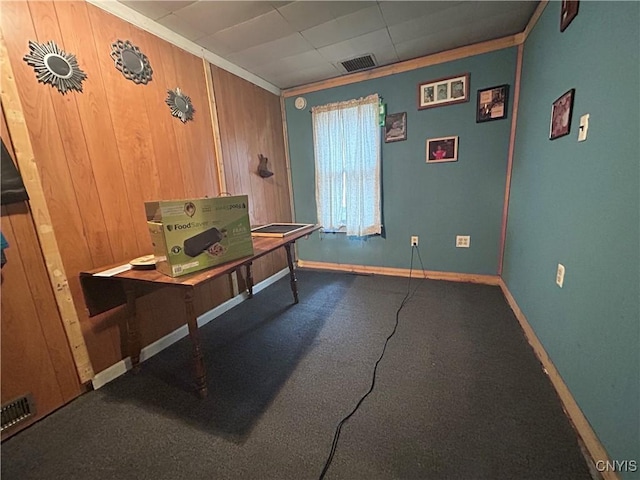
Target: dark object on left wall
(12, 187)
(263, 170)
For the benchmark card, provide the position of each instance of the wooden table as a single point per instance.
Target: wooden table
(104, 293)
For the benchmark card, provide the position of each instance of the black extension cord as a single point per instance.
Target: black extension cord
(336, 435)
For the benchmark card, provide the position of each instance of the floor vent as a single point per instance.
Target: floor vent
(17, 411)
(360, 63)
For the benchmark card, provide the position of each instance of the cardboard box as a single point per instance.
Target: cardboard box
(191, 235)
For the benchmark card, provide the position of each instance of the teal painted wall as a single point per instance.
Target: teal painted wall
(433, 201)
(579, 204)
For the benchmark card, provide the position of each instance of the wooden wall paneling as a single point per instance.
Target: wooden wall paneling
(26, 365)
(231, 108)
(46, 26)
(39, 289)
(102, 333)
(97, 127)
(179, 134)
(250, 123)
(130, 125)
(46, 142)
(189, 151)
(190, 76)
(20, 220)
(41, 157)
(162, 135)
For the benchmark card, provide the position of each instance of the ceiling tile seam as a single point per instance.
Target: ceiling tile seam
(386, 25)
(135, 18)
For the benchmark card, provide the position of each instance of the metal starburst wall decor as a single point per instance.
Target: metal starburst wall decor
(180, 105)
(133, 64)
(54, 66)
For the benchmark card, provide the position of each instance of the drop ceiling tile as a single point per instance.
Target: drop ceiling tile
(302, 77)
(178, 25)
(419, 47)
(155, 9)
(440, 21)
(214, 45)
(304, 15)
(271, 51)
(301, 61)
(497, 26)
(258, 30)
(345, 27)
(340, 8)
(355, 47)
(212, 16)
(398, 12)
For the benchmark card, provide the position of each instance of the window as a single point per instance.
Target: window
(346, 137)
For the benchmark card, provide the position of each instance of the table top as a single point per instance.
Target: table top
(261, 246)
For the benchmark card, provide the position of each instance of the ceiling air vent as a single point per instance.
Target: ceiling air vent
(360, 63)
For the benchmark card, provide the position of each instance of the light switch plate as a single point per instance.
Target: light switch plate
(584, 126)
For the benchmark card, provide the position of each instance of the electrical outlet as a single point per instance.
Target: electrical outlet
(560, 275)
(414, 241)
(463, 241)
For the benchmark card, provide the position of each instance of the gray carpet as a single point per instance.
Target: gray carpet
(459, 395)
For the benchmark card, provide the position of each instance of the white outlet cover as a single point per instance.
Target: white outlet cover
(584, 126)
(560, 275)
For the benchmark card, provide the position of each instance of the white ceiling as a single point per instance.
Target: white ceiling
(295, 43)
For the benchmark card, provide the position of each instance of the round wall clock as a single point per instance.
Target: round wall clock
(300, 103)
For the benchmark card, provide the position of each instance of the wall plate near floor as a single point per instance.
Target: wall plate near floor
(463, 241)
(560, 275)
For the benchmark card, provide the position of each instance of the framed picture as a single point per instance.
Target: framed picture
(568, 12)
(443, 149)
(444, 91)
(492, 103)
(561, 111)
(395, 127)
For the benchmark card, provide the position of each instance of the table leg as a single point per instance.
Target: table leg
(249, 280)
(292, 273)
(198, 359)
(133, 329)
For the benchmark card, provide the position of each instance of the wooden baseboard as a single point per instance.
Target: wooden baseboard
(590, 440)
(402, 272)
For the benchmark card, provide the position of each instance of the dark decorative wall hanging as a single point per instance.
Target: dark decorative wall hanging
(133, 64)
(180, 105)
(54, 66)
(263, 170)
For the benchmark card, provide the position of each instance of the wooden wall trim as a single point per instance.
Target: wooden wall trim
(133, 17)
(26, 162)
(591, 442)
(522, 37)
(287, 159)
(436, 58)
(213, 110)
(403, 272)
(512, 143)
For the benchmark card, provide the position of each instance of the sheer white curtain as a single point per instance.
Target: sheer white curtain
(346, 137)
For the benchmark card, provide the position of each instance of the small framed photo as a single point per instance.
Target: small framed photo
(492, 103)
(561, 111)
(444, 91)
(443, 149)
(395, 127)
(568, 12)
